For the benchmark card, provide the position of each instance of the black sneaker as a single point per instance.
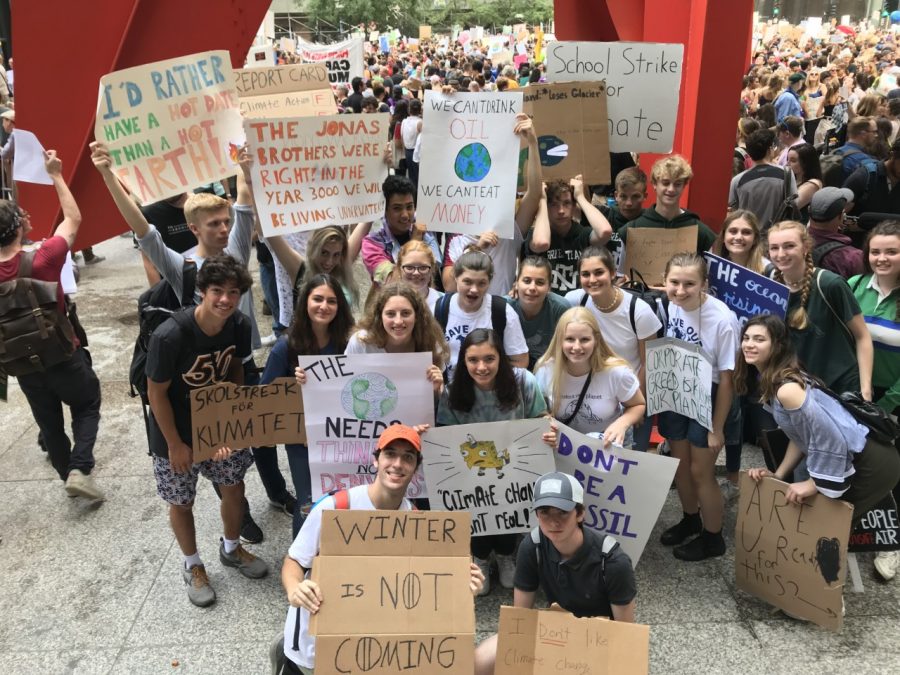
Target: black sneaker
(285, 502)
(706, 545)
(687, 526)
(251, 533)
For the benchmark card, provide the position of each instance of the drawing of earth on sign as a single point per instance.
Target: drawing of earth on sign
(552, 150)
(473, 162)
(369, 396)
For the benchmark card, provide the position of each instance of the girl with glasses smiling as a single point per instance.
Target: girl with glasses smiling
(415, 266)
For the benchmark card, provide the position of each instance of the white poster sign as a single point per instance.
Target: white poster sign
(309, 172)
(262, 56)
(470, 154)
(172, 125)
(643, 84)
(624, 490)
(28, 160)
(344, 60)
(488, 470)
(349, 400)
(679, 379)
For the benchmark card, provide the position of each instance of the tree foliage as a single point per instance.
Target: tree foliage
(495, 13)
(385, 14)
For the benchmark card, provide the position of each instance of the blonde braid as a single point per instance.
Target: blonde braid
(799, 319)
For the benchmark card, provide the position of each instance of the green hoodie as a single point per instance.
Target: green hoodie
(651, 218)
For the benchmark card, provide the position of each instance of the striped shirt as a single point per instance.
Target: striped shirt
(880, 313)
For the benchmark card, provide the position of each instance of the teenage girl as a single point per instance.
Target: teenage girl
(626, 321)
(487, 388)
(321, 325)
(803, 161)
(416, 266)
(878, 294)
(700, 319)
(586, 385)
(539, 310)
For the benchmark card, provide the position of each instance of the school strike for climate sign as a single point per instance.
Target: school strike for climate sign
(469, 162)
(643, 83)
(624, 490)
(679, 380)
(171, 125)
(344, 60)
(309, 172)
(348, 401)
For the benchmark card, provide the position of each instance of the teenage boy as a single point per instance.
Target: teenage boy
(197, 347)
(669, 176)
(580, 570)
(559, 237)
(209, 219)
(397, 456)
(630, 193)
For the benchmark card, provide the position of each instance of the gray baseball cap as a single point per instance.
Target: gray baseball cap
(559, 490)
(828, 203)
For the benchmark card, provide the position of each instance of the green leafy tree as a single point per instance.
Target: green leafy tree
(385, 14)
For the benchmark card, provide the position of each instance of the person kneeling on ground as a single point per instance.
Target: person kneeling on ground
(580, 570)
(397, 456)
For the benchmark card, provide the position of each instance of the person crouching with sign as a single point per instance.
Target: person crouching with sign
(397, 456)
(580, 570)
(843, 460)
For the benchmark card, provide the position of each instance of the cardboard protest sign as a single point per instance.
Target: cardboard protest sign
(469, 157)
(541, 642)
(398, 589)
(424, 32)
(643, 84)
(488, 470)
(679, 379)
(171, 125)
(28, 160)
(744, 291)
(287, 45)
(878, 529)
(350, 399)
(226, 415)
(344, 60)
(570, 122)
(649, 248)
(315, 171)
(298, 90)
(624, 490)
(793, 557)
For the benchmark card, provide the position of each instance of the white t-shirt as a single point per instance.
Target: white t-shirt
(602, 402)
(409, 131)
(505, 256)
(303, 549)
(433, 296)
(615, 326)
(460, 324)
(285, 285)
(357, 346)
(713, 326)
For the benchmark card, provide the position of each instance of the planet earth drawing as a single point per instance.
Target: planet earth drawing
(369, 396)
(473, 162)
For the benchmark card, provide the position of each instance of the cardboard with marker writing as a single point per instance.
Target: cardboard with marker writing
(649, 248)
(298, 90)
(536, 642)
(792, 556)
(242, 417)
(571, 125)
(397, 594)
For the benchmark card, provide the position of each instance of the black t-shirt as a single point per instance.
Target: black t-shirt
(189, 359)
(172, 225)
(577, 584)
(563, 256)
(354, 101)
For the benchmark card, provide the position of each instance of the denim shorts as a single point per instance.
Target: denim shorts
(675, 427)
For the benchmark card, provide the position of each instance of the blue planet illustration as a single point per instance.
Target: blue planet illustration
(473, 162)
(552, 149)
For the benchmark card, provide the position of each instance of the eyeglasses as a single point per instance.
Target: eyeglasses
(417, 269)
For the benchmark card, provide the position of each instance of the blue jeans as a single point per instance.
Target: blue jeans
(270, 290)
(266, 458)
(298, 460)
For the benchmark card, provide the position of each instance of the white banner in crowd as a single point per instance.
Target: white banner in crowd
(348, 401)
(172, 125)
(643, 84)
(310, 172)
(679, 379)
(344, 60)
(488, 470)
(469, 163)
(624, 490)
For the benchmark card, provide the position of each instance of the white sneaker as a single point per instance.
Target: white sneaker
(485, 567)
(506, 565)
(79, 484)
(886, 563)
(730, 491)
(268, 340)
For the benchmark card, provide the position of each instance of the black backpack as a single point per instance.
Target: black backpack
(819, 252)
(657, 300)
(155, 306)
(498, 313)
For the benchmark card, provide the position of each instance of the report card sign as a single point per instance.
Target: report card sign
(470, 153)
(298, 90)
(309, 172)
(172, 125)
(643, 83)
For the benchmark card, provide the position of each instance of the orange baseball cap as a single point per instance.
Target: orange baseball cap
(399, 432)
